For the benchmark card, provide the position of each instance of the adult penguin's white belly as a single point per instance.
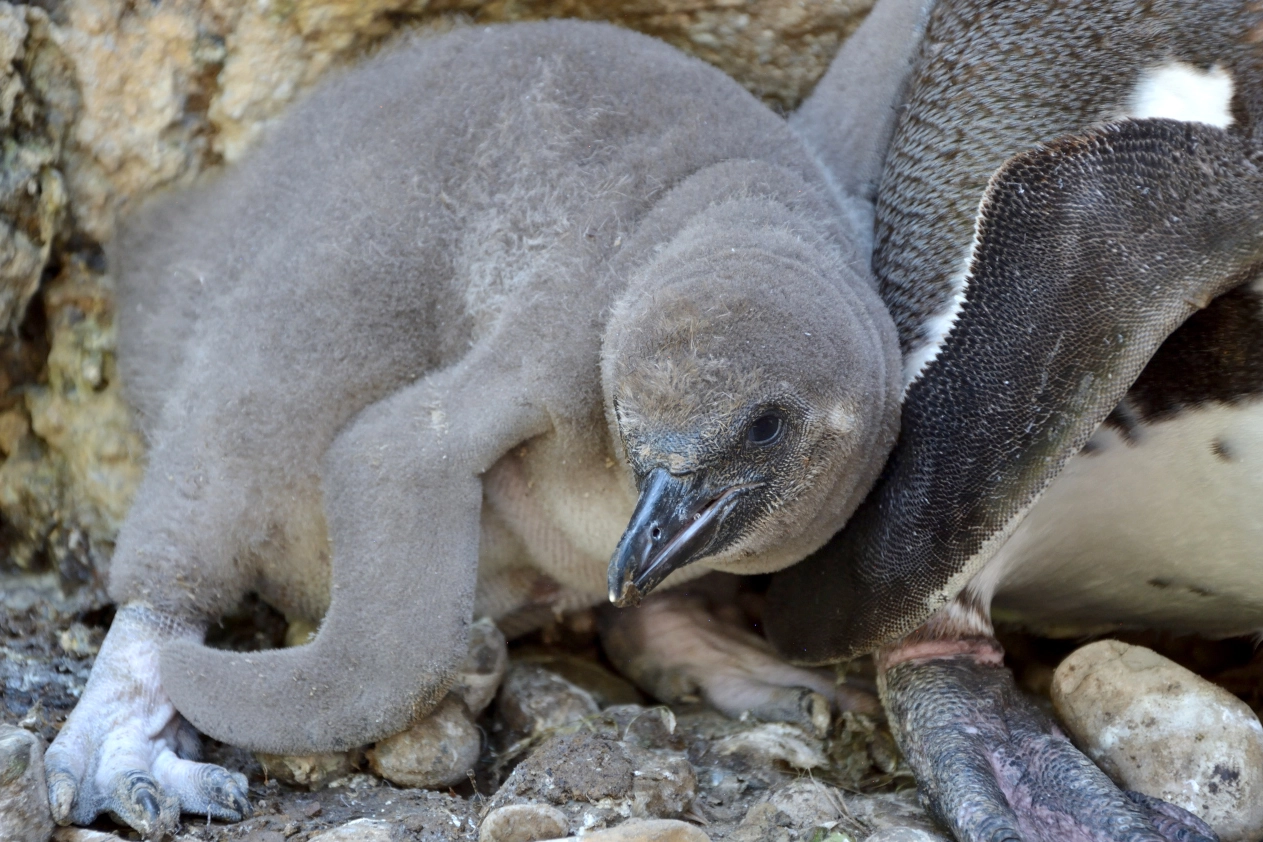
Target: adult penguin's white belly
(1154, 524)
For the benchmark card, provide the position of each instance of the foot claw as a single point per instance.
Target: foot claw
(224, 794)
(139, 802)
(1173, 823)
(61, 796)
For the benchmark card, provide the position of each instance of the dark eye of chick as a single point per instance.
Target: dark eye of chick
(765, 429)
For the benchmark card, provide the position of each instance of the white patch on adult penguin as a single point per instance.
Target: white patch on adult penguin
(1160, 532)
(1179, 91)
(939, 326)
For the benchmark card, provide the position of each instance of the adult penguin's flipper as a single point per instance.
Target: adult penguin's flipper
(1088, 252)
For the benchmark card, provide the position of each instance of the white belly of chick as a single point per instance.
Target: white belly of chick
(549, 527)
(1164, 531)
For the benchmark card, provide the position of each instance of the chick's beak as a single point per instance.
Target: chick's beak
(675, 522)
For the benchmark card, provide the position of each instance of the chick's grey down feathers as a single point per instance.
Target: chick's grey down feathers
(506, 258)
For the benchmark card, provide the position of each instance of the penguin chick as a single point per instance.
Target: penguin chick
(732, 424)
(412, 360)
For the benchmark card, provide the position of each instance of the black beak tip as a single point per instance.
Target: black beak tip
(675, 521)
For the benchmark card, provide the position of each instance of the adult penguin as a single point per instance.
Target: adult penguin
(1060, 190)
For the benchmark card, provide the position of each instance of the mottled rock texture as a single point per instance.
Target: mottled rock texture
(523, 823)
(439, 750)
(363, 830)
(105, 102)
(647, 831)
(1157, 728)
(24, 815)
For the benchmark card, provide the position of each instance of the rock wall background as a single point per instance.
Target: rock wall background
(104, 102)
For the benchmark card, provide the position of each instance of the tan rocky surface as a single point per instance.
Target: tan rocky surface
(523, 823)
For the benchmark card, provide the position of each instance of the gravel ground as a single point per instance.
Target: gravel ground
(746, 779)
(738, 780)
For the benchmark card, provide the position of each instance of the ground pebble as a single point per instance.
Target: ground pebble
(485, 662)
(362, 830)
(313, 771)
(807, 802)
(905, 834)
(588, 769)
(661, 830)
(891, 811)
(663, 783)
(571, 767)
(534, 700)
(776, 741)
(523, 823)
(81, 834)
(1157, 728)
(24, 813)
(437, 751)
(763, 823)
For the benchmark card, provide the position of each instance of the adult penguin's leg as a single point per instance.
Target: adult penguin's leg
(991, 765)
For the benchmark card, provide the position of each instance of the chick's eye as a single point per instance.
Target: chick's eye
(765, 429)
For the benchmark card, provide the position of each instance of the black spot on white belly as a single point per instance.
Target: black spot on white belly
(1165, 584)
(1159, 528)
(1220, 448)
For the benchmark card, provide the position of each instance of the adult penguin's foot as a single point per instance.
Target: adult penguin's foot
(992, 767)
(692, 643)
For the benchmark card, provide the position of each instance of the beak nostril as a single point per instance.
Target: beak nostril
(655, 533)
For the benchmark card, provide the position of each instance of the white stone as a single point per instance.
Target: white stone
(1157, 728)
(437, 751)
(775, 741)
(808, 803)
(905, 834)
(82, 834)
(523, 823)
(894, 811)
(314, 771)
(534, 700)
(360, 830)
(658, 830)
